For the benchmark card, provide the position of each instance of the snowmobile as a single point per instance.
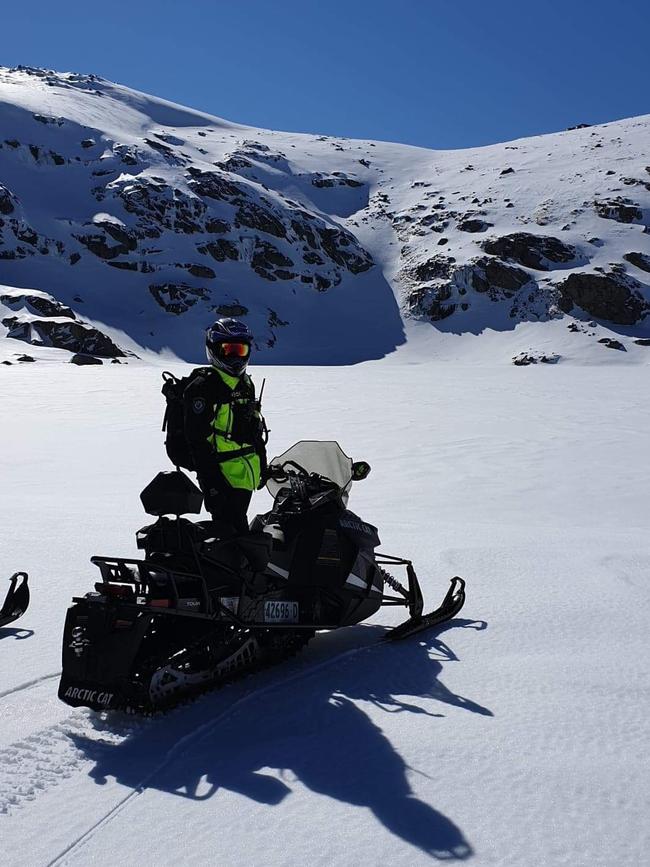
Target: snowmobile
(16, 600)
(205, 605)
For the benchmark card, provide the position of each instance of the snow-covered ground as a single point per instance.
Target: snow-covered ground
(517, 735)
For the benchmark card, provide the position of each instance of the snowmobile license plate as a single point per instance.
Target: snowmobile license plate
(276, 611)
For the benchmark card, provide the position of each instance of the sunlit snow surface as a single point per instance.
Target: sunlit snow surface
(518, 735)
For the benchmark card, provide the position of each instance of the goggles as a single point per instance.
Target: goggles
(234, 350)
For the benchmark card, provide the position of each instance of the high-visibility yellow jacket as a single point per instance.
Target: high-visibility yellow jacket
(224, 427)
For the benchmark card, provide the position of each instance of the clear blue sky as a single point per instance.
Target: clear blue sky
(437, 73)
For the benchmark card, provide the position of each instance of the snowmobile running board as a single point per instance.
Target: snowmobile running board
(17, 599)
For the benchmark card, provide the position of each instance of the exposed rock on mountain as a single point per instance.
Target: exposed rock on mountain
(176, 298)
(160, 217)
(498, 280)
(534, 251)
(639, 260)
(73, 336)
(619, 209)
(614, 296)
(523, 359)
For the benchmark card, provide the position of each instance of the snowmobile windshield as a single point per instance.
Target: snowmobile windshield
(326, 458)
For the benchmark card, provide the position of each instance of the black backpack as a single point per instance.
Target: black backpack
(173, 423)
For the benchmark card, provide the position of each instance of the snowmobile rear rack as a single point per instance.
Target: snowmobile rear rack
(17, 599)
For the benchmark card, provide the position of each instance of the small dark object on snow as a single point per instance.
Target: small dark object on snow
(17, 599)
(80, 358)
(508, 171)
(642, 341)
(526, 358)
(610, 343)
(25, 358)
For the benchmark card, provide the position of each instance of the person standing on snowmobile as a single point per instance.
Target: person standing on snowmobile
(224, 428)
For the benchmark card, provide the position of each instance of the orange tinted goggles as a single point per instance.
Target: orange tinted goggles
(234, 350)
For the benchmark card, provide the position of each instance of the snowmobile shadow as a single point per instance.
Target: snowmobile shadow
(17, 633)
(311, 731)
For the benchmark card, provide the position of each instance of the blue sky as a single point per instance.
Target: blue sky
(436, 73)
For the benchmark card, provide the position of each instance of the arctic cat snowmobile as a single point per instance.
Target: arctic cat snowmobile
(16, 600)
(204, 604)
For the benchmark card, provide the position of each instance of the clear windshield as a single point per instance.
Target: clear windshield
(323, 457)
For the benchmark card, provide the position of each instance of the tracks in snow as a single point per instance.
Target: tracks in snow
(29, 684)
(43, 759)
(181, 746)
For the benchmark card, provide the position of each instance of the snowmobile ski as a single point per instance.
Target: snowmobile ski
(450, 606)
(17, 599)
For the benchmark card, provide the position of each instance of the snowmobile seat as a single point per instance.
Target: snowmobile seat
(250, 551)
(256, 548)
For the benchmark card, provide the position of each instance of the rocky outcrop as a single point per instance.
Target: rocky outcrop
(73, 336)
(542, 252)
(233, 309)
(81, 359)
(212, 185)
(158, 205)
(336, 179)
(344, 249)
(639, 260)
(260, 218)
(435, 268)
(474, 225)
(619, 209)
(492, 277)
(431, 302)
(40, 305)
(523, 359)
(453, 286)
(610, 343)
(220, 250)
(614, 296)
(125, 240)
(7, 201)
(177, 298)
(266, 258)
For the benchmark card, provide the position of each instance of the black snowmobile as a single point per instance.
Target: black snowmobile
(16, 600)
(204, 604)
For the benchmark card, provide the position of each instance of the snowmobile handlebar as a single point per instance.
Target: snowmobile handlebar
(279, 474)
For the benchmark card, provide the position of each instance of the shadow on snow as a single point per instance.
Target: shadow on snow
(316, 733)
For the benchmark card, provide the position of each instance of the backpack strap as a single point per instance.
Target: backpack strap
(170, 384)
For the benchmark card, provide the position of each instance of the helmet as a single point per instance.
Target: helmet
(228, 345)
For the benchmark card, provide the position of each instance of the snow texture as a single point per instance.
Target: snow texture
(516, 735)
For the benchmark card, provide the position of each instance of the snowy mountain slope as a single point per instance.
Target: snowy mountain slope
(145, 220)
(516, 736)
